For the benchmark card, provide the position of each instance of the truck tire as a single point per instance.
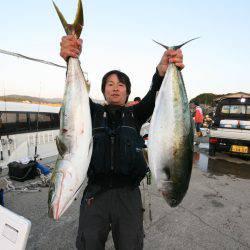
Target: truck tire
(211, 150)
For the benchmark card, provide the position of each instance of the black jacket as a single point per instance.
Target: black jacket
(117, 158)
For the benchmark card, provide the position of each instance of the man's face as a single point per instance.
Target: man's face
(115, 92)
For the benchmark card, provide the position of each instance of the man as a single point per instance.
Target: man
(112, 199)
(198, 117)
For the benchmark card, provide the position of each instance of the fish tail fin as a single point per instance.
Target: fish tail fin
(165, 46)
(76, 27)
(177, 46)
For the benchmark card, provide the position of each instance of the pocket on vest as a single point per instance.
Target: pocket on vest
(129, 158)
(100, 160)
(124, 161)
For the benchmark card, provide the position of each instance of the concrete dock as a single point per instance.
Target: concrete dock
(215, 213)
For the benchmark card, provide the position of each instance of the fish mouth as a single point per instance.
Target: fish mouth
(56, 210)
(168, 196)
(53, 210)
(54, 197)
(165, 193)
(54, 213)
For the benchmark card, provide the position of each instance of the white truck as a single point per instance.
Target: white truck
(231, 129)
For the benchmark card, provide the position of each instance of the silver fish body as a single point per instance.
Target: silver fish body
(170, 145)
(74, 142)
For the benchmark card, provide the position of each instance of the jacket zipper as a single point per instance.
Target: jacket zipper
(112, 137)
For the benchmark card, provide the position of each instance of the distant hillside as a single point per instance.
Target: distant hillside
(37, 100)
(31, 99)
(205, 98)
(209, 98)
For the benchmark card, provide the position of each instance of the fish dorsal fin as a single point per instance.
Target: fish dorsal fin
(62, 148)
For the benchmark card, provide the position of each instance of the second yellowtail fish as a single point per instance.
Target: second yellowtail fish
(170, 145)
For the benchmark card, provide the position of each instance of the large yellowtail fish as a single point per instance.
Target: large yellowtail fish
(170, 145)
(75, 138)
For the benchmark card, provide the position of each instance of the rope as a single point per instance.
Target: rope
(35, 186)
(30, 58)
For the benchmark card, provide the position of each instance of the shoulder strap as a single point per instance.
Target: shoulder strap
(128, 119)
(100, 118)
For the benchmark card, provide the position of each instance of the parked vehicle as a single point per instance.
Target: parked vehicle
(231, 129)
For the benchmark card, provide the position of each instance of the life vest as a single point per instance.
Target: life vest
(117, 150)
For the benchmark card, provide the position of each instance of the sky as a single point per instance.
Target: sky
(118, 34)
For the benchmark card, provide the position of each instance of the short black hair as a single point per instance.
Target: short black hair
(122, 78)
(196, 103)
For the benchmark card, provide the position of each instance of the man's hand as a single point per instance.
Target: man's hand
(70, 47)
(174, 56)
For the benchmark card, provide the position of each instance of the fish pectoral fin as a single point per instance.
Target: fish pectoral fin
(62, 148)
(87, 83)
(88, 86)
(145, 154)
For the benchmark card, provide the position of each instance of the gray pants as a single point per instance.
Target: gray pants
(118, 210)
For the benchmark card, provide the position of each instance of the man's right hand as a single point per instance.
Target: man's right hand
(70, 47)
(174, 56)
